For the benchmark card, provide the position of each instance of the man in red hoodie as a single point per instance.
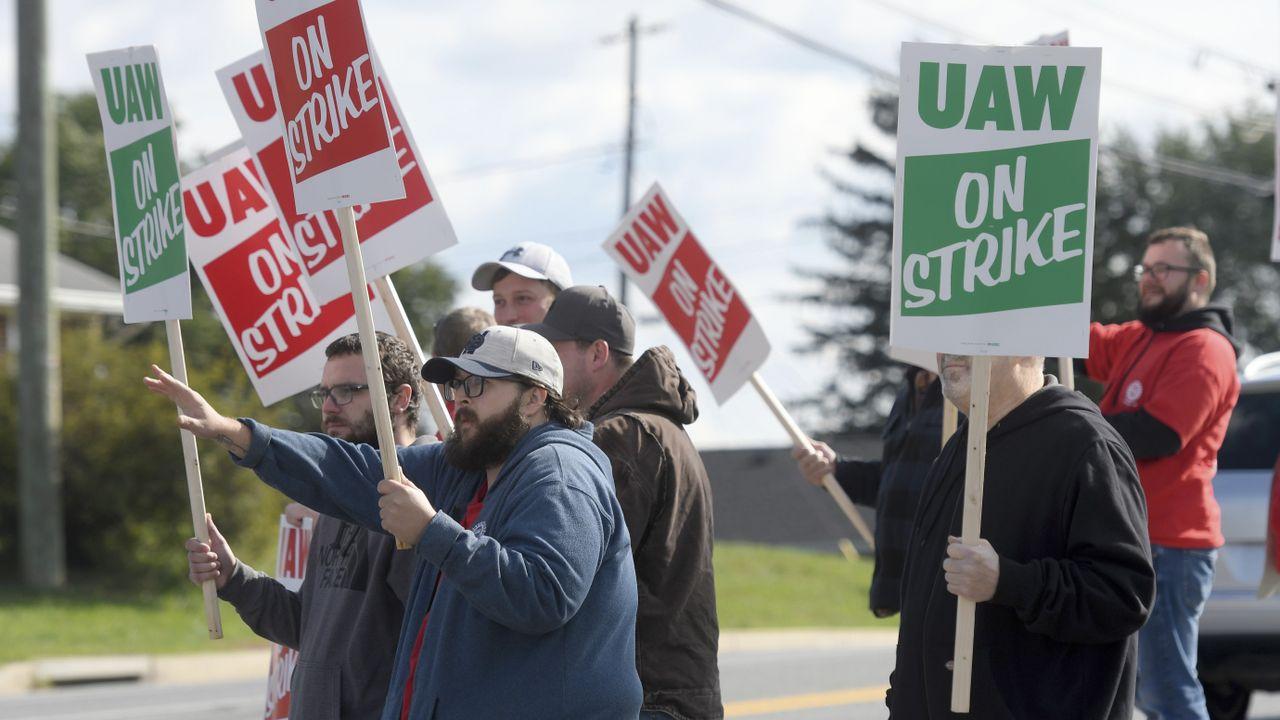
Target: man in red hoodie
(1171, 385)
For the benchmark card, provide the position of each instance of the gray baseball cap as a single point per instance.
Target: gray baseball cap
(588, 312)
(528, 259)
(502, 351)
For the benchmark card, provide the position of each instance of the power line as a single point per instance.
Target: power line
(810, 43)
(1258, 186)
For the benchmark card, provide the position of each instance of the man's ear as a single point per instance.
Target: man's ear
(537, 397)
(599, 354)
(401, 399)
(1201, 281)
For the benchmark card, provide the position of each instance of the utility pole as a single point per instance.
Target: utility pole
(39, 364)
(631, 36)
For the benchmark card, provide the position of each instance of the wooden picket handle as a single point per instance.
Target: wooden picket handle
(195, 488)
(1067, 373)
(950, 419)
(400, 321)
(369, 347)
(971, 525)
(801, 440)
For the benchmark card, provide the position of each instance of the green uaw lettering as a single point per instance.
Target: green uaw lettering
(992, 100)
(952, 110)
(1059, 97)
(132, 92)
(994, 230)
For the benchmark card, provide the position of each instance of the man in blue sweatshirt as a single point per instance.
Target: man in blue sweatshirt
(524, 599)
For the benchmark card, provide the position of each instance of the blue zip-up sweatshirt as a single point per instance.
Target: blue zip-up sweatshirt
(535, 614)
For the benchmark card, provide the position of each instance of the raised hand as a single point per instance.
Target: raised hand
(196, 415)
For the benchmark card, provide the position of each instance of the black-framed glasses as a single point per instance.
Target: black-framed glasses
(472, 386)
(341, 394)
(1160, 270)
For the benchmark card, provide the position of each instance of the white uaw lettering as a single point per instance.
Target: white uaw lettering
(253, 342)
(149, 239)
(328, 112)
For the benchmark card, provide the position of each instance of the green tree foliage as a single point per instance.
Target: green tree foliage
(1139, 189)
(125, 494)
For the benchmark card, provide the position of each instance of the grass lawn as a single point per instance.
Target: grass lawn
(757, 586)
(761, 586)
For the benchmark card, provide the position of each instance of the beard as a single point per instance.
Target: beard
(362, 431)
(1169, 306)
(491, 441)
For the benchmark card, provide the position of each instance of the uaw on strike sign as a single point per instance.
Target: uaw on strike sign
(291, 568)
(656, 249)
(137, 128)
(393, 233)
(993, 224)
(336, 134)
(255, 279)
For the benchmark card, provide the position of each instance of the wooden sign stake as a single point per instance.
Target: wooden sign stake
(971, 525)
(195, 488)
(802, 440)
(400, 321)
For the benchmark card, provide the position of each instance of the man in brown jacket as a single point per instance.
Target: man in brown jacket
(639, 406)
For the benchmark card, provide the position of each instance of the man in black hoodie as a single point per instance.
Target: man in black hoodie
(639, 407)
(1062, 577)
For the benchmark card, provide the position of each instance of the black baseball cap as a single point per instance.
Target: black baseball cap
(588, 312)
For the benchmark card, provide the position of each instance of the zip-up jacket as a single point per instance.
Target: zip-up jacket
(533, 614)
(666, 498)
(1170, 390)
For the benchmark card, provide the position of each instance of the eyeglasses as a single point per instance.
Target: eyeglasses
(1160, 270)
(471, 385)
(341, 394)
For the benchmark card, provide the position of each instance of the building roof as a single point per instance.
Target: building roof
(78, 287)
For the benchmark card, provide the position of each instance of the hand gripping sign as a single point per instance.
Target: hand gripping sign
(656, 249)
(255, 280)
(338, 143)
(137, 130)
(393, 234)
(993, 226)
(292, 550)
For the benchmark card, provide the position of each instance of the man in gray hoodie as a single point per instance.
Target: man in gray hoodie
(345, 619)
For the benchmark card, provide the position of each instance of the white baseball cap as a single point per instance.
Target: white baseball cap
(502, 351)
(528, 259)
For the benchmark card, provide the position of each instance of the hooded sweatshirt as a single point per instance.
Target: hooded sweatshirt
(666, 499)
(1063, 509)
(1174, 380)
(533, 614)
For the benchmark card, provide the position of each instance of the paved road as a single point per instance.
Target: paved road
(825, 684)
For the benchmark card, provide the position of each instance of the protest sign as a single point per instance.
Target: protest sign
(337, 139)
(393, 233)
(254, 279)
(292, 550)
(656, 249)
(993, 228)
(146, 195)
(137, 129)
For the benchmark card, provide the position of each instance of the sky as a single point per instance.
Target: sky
(519, 109)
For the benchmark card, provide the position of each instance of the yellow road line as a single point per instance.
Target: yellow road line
(765, 706)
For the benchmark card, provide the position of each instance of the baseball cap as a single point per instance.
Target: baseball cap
(588, 312)
(501, 351)
(528, 259)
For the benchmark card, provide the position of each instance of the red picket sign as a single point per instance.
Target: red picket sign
(291, 567)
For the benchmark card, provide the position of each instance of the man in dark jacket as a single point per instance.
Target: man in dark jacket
(345, 619)
(1171, 385)
(640, 408)
(892, 485)
(1062, 576)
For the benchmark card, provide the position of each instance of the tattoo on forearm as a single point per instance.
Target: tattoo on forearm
(231, 445)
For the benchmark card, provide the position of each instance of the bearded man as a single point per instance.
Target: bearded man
(1171, 385)
(524, 600)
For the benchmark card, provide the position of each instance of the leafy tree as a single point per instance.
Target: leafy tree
(1138, 190)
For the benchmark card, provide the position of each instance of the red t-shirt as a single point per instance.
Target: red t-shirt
(1275, 517)
(473, 512)
(1186, 380)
